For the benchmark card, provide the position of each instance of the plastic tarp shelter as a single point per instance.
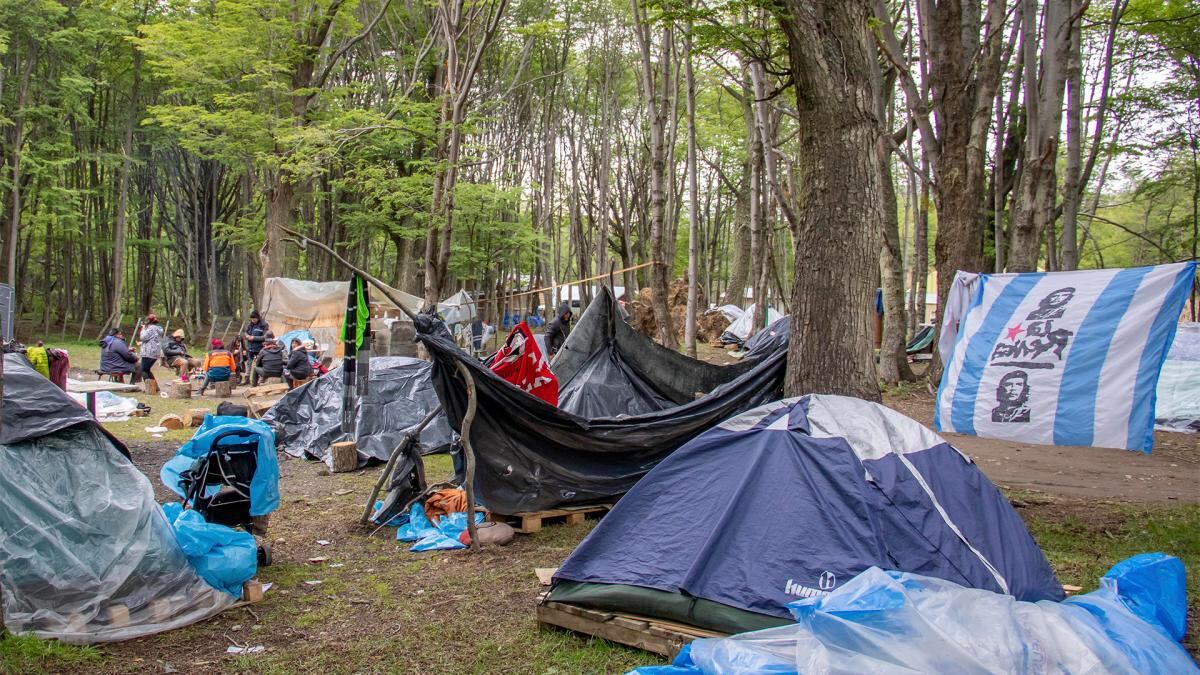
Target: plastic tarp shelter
(531, 455)
(792, 500)
(458, 308)
(82, 539)
(308, 419)
(1177, 398)
(896, 622)
(606, 368)
(320, 308)
(739, 330)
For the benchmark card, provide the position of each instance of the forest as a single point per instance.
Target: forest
(160, 154)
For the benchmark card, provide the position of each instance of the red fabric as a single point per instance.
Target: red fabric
(520, 362)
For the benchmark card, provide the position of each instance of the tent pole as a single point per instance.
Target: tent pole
(409, 437)
(469, 453)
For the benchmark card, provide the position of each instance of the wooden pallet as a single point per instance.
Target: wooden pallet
(529, 522)
(653, 635)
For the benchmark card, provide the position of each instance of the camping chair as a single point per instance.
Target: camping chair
(218, 484)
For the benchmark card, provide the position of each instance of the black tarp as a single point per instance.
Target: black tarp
(308, 419)
(769, 340)
(604, 357)
(35, 407)
(531, 455)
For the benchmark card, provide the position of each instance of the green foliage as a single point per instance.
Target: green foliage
(28, 654)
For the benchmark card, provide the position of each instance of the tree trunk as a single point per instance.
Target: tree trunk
(657, 90)
(689, 339)
(1071, 192)
(1034, 211)
(836, 240)
(280, 202)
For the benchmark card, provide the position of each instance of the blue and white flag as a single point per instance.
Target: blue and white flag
(1062, 358)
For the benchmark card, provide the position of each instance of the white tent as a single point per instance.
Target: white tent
(458, 308)
(739, 330)
(320, 308)
(1177, 399)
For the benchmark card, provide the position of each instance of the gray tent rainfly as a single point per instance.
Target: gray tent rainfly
(86, 553)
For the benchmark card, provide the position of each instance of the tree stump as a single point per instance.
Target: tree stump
(172, 422)
(345, 456)
(150, 387)
(223, 389)
(179, 390)
(195, 417)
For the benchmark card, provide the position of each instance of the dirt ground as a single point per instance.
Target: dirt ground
(363, 603)
(1170, 473)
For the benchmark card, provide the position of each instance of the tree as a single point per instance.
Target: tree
(835, 240)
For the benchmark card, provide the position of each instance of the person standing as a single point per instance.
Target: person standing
(39, 358)
(558, 330)
(150, 345)
(256, 336)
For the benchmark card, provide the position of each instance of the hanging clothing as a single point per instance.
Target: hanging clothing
(520, 362)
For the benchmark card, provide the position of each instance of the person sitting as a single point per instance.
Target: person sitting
(269, 362)
(218, 365)
(39, 358)
(318, 365)
(175, 355)
(299, 368)
(116, 360)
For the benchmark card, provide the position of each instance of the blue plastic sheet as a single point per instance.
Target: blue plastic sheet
(285, 340)
(224, 557)
(429, 537)
(264, 487)
(898, 622)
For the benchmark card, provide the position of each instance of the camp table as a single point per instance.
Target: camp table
(90, 388)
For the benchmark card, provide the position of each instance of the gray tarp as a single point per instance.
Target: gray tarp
(86, 554)
(604, 356)
(33, 406)
(308, 419)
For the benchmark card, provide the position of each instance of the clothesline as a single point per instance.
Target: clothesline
(565, 283)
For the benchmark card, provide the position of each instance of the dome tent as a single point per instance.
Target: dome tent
(86, 554)
(791, 500)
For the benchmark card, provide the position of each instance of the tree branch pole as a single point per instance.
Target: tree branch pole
(469, 452)
(410, 437)
(371, 279)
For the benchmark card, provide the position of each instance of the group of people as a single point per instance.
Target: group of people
(264, 357)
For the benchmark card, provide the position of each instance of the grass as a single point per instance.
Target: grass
(28, 654)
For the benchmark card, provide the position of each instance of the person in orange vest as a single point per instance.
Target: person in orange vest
(218, 366)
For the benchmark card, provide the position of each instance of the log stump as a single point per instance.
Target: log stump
(150, 387)
(223, 389)
(195, 417)
(172, 422)
(345, 456)
(179, 389)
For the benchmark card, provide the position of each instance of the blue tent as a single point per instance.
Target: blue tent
(791, 500)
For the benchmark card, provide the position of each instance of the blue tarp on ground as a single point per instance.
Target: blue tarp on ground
(224, 557)
(264, 487)
(794, 498)
(884, 622)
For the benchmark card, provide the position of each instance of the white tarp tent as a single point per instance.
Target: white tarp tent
(458, 308)
(739, 330)
(320, 308)
(1177, 399)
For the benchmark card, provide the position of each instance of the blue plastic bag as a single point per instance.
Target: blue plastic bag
(428, 537)
(894, 621)
(264, 487)
(224, 557)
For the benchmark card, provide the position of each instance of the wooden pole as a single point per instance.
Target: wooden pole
(83, 326)
(410, 437)
(468, 452)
